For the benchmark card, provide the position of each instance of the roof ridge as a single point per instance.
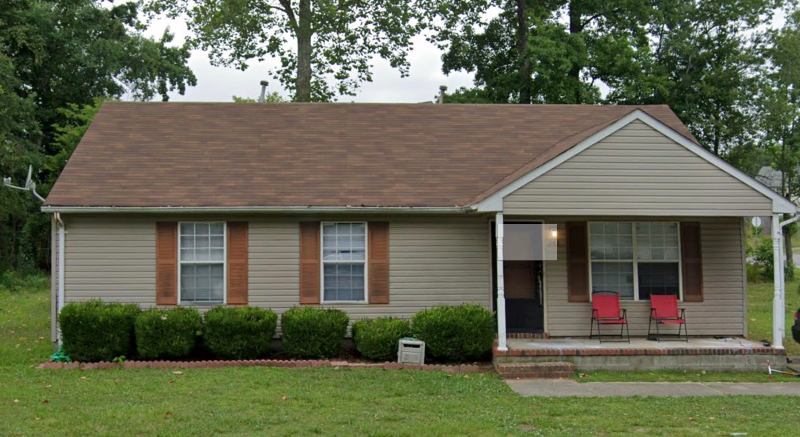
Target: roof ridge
(499, 184)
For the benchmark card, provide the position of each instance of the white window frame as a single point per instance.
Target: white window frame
(224, 264)
(322, 262)
(635, 258)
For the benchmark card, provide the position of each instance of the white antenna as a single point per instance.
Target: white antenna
(30, 185)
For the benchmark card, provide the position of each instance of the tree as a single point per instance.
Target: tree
(315, 41)
(549, 51)
(779, 110)
(56, 58)
(73, 51)
(701, 62)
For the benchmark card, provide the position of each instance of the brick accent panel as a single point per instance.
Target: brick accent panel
(457, 368)
(535, 370)
(567, 352)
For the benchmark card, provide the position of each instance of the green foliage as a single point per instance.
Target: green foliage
(765, 260)
(96, 331)
(310, 332)
(272, 97)
(167, 334)
(15, 282)
(239, 332)
(325, 48)
(58, 59)
(377, 339)
(455, 333)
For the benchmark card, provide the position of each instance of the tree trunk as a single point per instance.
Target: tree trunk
(574, 74)
(522, 53)
(303, 85)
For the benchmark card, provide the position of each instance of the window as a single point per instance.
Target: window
(202, 262)
(635, 260)
(344, 257)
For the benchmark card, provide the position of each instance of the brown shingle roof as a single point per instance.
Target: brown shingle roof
(250, 155)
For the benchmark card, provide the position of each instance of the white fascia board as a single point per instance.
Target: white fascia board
(494, 202)
(252, 209)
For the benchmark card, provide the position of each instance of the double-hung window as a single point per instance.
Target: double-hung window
(202, 262)
(635, 260)
(344, 258)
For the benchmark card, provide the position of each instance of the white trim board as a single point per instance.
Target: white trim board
(494, 202)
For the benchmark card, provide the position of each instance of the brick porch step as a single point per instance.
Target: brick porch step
(535, 370)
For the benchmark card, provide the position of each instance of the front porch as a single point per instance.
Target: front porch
(699, 353)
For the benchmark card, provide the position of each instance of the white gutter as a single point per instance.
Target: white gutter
(60, 261)
(254, 209)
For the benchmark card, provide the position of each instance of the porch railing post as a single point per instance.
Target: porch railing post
(777, 301)
(501, 288)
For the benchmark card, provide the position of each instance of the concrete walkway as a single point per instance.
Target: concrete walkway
(555, 388)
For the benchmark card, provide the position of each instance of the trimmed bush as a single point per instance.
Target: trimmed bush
(239, 332)
(95, 331)
(167, 334)
(310, 332)
(377, 339)
(455, 333)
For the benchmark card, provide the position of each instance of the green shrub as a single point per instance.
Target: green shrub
(95, 331)
(310, 332)
(765, 259)
(239, 333)
(377, 339)
(455, 333)
(167, 334)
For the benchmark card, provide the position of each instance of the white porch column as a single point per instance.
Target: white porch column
(777, 301)
(501, 287)
(61, 276)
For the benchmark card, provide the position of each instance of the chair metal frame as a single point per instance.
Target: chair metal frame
(621, 318)
(676, 316)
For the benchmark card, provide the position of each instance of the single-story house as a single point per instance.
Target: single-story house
(387, 209)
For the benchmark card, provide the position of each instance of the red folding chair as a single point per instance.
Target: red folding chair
(606, 311)
(664, 311)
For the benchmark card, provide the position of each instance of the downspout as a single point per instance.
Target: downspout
(779, 299)
(60, 261)
(501, 287)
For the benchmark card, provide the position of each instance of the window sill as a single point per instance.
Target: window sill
(344, 302)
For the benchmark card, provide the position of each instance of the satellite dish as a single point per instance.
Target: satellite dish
(756, 221)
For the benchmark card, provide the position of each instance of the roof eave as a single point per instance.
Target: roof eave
(255, 209)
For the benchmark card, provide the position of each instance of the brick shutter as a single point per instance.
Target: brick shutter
(237, 263)
(309, 262)
(378, 262)
(577, 262)
(691, 262)
(167, 263)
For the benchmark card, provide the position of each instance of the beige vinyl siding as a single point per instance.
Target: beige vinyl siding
(721, 313)
(112, 258)
(637, 171)
(433, 260)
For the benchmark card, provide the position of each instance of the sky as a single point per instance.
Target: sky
(219, 84)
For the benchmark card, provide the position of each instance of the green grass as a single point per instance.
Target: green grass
(681, 376)
(759, 312)
(272, 401)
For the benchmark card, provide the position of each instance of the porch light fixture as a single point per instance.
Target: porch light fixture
(554, 233)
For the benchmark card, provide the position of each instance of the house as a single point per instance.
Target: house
(386, 209)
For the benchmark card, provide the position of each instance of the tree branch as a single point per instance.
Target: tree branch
(287, 8)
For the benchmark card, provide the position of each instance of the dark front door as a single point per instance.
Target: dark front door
(524, 292)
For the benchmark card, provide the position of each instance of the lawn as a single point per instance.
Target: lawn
(759, 312)
(274, 401)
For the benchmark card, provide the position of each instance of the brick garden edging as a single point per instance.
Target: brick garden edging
(460, 368)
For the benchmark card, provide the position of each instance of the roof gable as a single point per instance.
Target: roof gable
(741, 183)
